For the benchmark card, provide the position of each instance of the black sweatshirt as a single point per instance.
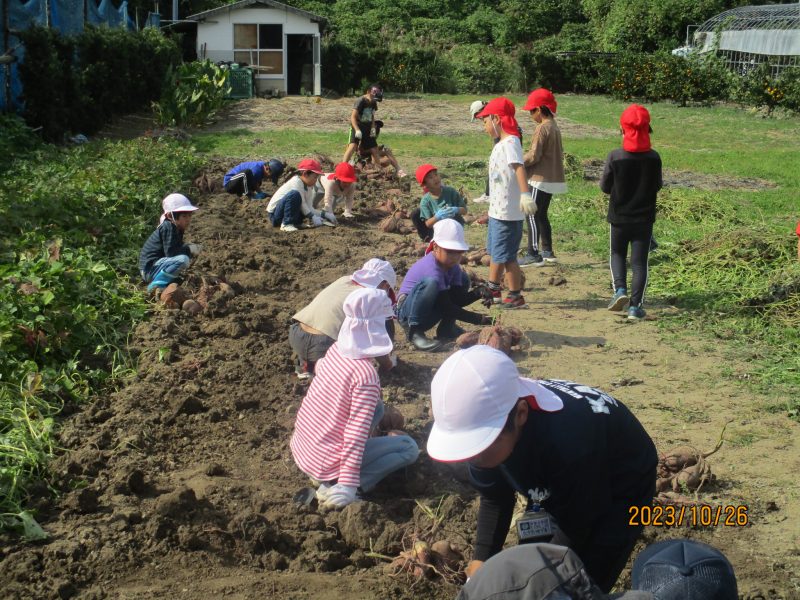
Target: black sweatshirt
(593, 457)
(633, 180)
(166, 240)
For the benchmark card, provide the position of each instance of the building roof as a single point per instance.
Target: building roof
(256, 3)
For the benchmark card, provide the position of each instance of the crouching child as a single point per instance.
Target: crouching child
(331, 441)
(436, 289)
(438, 202)
(164, 257)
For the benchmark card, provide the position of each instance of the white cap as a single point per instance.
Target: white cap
(177, 203)
(363, 333)
(472, 393)
(475, 108)
(374, 272)
(448, 234)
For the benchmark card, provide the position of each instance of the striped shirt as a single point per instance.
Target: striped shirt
(334, 419)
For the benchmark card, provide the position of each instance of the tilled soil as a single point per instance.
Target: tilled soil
(182, 483)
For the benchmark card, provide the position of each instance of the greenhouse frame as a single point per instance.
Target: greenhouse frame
(749, 36)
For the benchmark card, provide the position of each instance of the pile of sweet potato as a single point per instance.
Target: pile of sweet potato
(496, 336)
(176, 297)
(440, 559)
(683, 469)
(477, 258)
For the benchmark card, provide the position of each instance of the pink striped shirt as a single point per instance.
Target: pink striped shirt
(334, 419)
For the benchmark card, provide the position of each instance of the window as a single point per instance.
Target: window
(259, 46)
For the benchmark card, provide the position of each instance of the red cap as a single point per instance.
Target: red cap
(422, 173)
(541, 97)
(635, 122)
(309, 164)
(503, 108)
(344, 172)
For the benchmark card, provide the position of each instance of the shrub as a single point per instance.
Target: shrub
(193, 92)
(477, 69)
(789, 84)
(415, 70)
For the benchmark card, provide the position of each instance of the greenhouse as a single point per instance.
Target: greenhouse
(751, 35)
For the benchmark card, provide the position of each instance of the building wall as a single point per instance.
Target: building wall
(215, 37)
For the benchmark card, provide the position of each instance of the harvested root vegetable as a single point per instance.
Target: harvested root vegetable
(226, 290)
(474, 258)
(174, 296)
(486, 260)
(502, 338)
(470, 338)
(392, 419)
(439, 559)
(685, 468)
(445, 557)
(389, 225)
(192, 307)
(482, 220)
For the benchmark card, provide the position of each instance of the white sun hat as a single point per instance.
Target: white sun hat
(475, 108)
(374, 272)
(176, 203)
(363, 333)
(448, 234)
(472, 393)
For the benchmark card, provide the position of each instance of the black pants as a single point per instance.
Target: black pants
(539, 229)
(638, 235)
(425, 233)
(241, 183)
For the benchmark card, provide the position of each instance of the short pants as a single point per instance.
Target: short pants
(503, 240)
(367, 142)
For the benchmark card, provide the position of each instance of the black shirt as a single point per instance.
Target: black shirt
(166, 240)
(594, 459)
(633, 180)
(366, 110)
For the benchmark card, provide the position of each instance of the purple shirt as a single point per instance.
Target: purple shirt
(428, 267)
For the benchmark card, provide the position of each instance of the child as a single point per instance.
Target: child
(315, 327)
(474, 108)
(338, 186)
(385, 156)
(331, 442)
(580, 457)
(632, 176)
(544, 167)
(164, 256)
(294, 200)
(245, 179)
(362, 124)
(436, 290)
(438, 202)
(509, 200)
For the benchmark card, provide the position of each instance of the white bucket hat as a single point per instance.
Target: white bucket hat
(472, 393)
(448, 234)
(363, 332)
(475, 108)
(176, 203)
(374, 272)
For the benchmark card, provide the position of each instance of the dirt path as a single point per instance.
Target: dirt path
(182, 481)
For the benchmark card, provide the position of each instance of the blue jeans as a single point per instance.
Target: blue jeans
(384, 455)
(174, 265)
(287, 211)
(419, 307)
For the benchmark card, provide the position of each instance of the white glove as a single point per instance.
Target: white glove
(358, 134)
(373, 132)
(316, 220)
(339, 496)
(329, 216)
(195, 249)
(527, 204)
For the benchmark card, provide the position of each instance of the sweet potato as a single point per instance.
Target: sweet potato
(392, 419)
(486, 260)
(174, 296)
(445, 557)
(470, 338)
(388, 225)
(680, 458)
(192, 307)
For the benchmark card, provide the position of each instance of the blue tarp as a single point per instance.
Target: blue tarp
(21, 15)
(66, 16)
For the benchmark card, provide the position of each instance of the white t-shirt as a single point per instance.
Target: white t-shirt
(306, 193)
(334, 194)
(504, 190)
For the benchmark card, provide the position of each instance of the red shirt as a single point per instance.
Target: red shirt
(797, 231)
(334, 420)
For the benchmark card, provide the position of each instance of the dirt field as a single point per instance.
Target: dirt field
(182, 482)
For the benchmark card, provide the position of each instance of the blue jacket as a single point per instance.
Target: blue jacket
(256, 166)
(166, 240)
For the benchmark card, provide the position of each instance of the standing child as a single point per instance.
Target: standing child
(438, 202)
(245, 178)
(164, 256)
(544, 167)
(294, 200)
(339, 186)
(509, 200)
(632, 176)
(331, 442)
(362, 124)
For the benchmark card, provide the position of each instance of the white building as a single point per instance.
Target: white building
(281, 43)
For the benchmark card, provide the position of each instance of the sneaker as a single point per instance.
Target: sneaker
(402, 174)
(161, 280)
(288, 227)
(512, 302)
(653, 244)
(348, 215)
(530, 260)
(259, 195)
(301, 369)
(635, 313)
(619, 300)
(482, 199)
(548, 256)
(328, 223)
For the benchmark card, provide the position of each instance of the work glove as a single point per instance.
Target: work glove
(527, 203)
(329, 216)
(442, 213)
(339, 496)
(195, 249)
(358, 134)
(454, 211)
(486, 295)
(316, 220)
(259, 195)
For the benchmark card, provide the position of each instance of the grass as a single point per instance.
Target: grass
(728, 256)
